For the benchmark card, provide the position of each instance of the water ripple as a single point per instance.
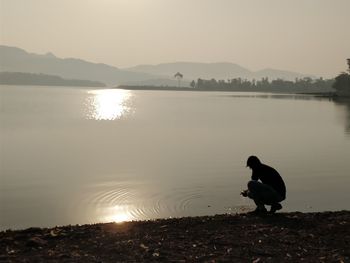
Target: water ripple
(128, 202)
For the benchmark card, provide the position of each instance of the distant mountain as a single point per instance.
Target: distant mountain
(192, 70)
(20, 78)
(162, 82)
(14, 59)
(223, 71)
(280, 74)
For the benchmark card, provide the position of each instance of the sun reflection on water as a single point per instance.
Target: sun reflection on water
(108, 104)
(117, 214)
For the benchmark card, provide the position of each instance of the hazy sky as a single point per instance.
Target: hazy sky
(308, 36)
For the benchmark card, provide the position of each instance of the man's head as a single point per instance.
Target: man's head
(253, 162)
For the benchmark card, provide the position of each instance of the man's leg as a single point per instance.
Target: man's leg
(263, 194)
(255, 192)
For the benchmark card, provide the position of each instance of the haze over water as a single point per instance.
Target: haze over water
(301, 36)
(81, 156)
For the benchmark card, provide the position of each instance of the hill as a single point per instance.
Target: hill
(13, 59)
(224, 71)
(20, 78)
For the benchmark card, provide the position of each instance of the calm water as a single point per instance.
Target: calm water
(73, 156)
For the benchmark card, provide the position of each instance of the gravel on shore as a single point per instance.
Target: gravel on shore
(282, 237)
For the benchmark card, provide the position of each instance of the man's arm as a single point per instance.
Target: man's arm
(255, 177)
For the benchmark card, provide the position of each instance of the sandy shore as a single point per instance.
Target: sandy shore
(283, 237)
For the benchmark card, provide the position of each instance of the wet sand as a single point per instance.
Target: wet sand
(283, 237)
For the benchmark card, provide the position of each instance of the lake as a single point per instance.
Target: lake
(76, 156)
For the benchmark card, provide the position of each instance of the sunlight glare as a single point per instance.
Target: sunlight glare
(118, 214)
(109, 104)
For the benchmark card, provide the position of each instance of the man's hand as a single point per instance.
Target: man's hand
(244, 193)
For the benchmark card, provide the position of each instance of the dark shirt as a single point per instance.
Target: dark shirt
(271, 177)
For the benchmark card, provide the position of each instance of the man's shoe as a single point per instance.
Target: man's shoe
(275, 207)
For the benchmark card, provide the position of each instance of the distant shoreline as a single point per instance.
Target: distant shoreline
(155, 88)
(127, 87)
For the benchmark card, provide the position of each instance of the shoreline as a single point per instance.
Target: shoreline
(292, 236)
(326, 94)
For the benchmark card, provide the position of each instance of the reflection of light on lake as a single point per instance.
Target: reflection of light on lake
(117, 214)
(109, 104)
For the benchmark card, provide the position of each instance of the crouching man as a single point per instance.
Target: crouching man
(270, 190)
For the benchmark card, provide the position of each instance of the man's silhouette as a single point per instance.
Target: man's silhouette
(270, 190)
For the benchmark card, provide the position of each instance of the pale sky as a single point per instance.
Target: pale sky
(307, 36)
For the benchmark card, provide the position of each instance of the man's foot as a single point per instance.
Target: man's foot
(258, 211)
(275, 207)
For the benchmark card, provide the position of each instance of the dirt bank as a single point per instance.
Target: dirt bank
(283, 237)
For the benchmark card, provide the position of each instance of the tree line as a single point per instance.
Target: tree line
(265, 85)
(342, 82)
